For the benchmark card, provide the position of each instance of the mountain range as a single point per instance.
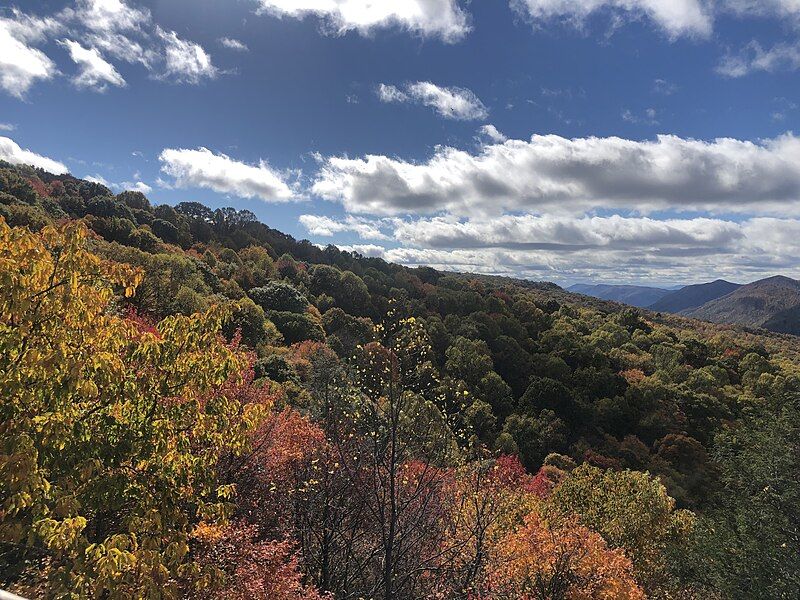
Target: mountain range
(772, 303)
(635, 295)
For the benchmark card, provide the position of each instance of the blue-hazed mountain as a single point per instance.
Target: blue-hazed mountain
(694, 296)
(635, 295)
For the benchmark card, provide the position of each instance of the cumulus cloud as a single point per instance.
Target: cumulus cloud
(21, 64)
(221, 173)
(233, 44)
(326, 226)
(95, 72)
(11, 152)
(573, 175)
(675, 17)
(450, 102)
(7, 127)
(442, 19)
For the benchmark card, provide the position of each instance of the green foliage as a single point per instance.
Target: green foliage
(748, 545)
(279, 296)
(631, 511)
(296, 327)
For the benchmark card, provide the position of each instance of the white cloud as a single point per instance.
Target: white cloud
(98, 31)
(233, 44)
(491, 133)
(105, 15)
(762, 8)
(552, 173)
(611, 248)
(648, 117)
(112, 26)
(21, 65)
(95, 72)
(443, 19)
(568, 233)
(450, 102)
(369, 250)
(203, 168)
(675, 17)
(391, 93)
(755, 58)
(136, 186)
(7, 127)
(11, 152)
(185, 62)
(98, 179)
(367, 229)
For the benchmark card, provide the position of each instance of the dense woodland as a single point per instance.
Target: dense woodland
(195, 405)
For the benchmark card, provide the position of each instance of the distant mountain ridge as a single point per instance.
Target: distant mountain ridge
(693, 296)
(635, 295)
(772, 303)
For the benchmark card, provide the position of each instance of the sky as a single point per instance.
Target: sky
(610, 141)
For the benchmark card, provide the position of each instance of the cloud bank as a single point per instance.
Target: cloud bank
(553, 173)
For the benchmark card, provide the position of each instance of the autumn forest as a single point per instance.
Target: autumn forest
(195, 405)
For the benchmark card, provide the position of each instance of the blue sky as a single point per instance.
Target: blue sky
(515, 137)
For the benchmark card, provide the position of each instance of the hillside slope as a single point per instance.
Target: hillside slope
(635, 295)
(694, 296)
(772, 303)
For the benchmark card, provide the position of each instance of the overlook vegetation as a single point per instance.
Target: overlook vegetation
(196, 405)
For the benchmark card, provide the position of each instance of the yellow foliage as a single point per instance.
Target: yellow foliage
(109, 435)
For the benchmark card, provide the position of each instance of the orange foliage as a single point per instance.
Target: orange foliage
(539, 561)
(633, 376)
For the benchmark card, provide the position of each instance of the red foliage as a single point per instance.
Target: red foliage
(143, 323)
(600, 460)
(257, 569)
(546, 480)
(503, 296)
(508, 472)
(39, 187)
(285, 458)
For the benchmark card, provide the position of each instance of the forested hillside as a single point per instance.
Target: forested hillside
(694, 296)
(196, 405)
(772, 303)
